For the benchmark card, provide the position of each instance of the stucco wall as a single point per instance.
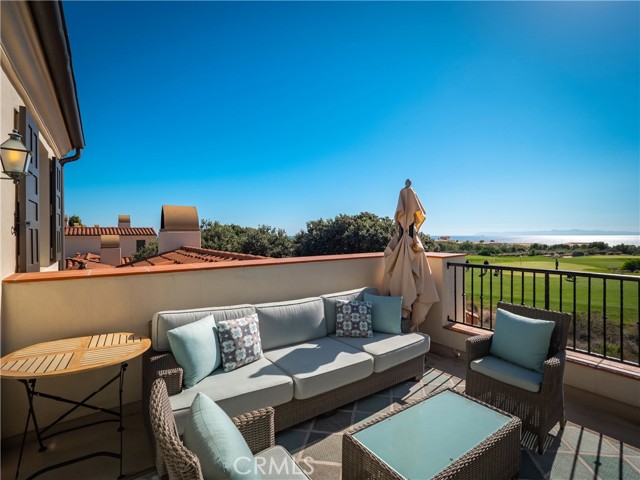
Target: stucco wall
(91, 244)
(105, 302)
(10, 101)
(47, 306)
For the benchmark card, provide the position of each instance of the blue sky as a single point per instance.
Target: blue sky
(506, 116)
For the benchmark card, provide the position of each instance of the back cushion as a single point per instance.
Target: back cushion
(162, 322)
(330, 300)
(293, 321)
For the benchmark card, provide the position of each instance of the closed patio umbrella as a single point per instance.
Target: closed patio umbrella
(406, 271)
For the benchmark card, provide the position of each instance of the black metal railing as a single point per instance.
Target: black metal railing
(605, 308)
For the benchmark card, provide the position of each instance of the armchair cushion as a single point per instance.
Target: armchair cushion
(521, 340)
(507, 372)
(218, 444)
(196, 349)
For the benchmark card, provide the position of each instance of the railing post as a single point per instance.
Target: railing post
(546, 291)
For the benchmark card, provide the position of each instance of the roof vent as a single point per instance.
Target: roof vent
(179, 226)
(124, 221)
(110, 252)
(179, 219)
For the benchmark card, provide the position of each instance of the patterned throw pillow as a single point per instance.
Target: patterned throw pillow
(239, 341)
(353, 319)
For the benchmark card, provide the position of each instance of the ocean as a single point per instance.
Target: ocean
(549, 239)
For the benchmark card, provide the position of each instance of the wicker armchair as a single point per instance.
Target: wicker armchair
(538, 411)
(179, 463)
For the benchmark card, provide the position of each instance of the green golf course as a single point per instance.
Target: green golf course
(619, 301)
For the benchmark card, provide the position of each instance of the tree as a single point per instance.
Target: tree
(361, 233)
(264, 240)
(149, 250)
(267, 241)
(217, 236)
(73, 220)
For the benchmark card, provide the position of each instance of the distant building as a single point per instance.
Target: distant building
(178, 243)
(84, 240)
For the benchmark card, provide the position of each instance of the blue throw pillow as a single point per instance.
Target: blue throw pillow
(217, 442)
(196, 349)
(386, 313)
(521, 340)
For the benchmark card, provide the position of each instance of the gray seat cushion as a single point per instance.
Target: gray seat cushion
(509, 373)
(389, 350)
(275, 463)
(321, 365)
(256, 385)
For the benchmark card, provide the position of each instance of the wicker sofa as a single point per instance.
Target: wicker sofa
(306, 370)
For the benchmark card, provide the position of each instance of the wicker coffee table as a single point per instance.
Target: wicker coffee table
(444, 435)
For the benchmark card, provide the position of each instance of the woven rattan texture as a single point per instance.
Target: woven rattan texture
(539, 411)
(497, 457)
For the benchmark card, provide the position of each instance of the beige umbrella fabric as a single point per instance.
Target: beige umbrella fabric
(406, 271)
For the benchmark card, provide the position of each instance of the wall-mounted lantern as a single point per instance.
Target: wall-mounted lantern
(15, 157)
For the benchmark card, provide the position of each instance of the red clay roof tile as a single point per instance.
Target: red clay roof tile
(97, 231)
(186, 255)
(180, 256)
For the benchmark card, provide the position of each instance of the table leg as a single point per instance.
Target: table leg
(123, 368)
(30, 386)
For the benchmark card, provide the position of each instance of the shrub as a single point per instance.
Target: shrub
(631, 265)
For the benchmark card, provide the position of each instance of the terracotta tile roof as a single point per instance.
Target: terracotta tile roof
(97, 231)
(179, 256)
(185, 255)
(89, 261)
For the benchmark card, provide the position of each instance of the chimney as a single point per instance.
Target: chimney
(124, 221)
(110, 252)
(179, 226)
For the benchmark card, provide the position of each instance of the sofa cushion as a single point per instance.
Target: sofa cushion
(507, 372)
(275, 463)
(353, 319)
(162, 322)
(386, 313)
(389, 350)
(239, 341)
(256, 385)
(321, 365)
(196, 349)
(521, 340)
(330, 300)
(217, 442)
(293, 321)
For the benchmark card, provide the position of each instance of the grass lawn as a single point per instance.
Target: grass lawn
(592, 264)
(589, 316)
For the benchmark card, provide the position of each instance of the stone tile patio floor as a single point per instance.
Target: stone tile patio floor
(576, 453)
(601, 440)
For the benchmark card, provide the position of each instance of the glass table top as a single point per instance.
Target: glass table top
(421, 441)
